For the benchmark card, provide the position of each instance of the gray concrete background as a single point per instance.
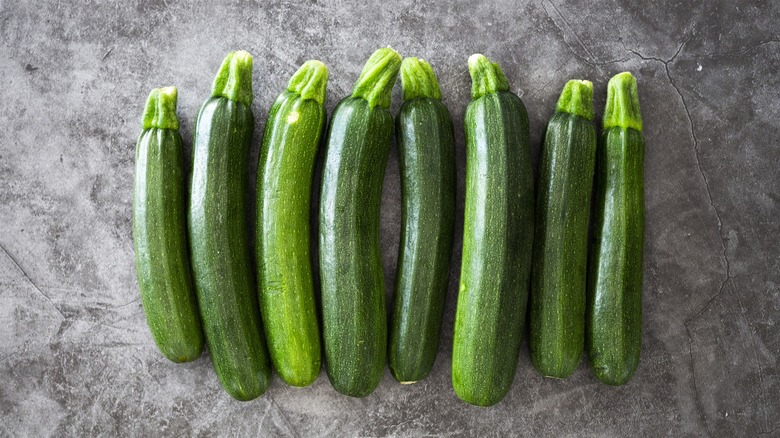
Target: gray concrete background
(76, 357)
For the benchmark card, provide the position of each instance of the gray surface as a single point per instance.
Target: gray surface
(76, 357)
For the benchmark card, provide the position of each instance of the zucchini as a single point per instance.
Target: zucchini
(354, 320)
(284, 182)
(614, 308)
(219, 239)
(426, 147)
(160, 232)
(497, 239)
(560, 259)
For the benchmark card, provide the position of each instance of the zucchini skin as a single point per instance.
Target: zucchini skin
(614, 334)
(559, 267)
(614, 307)
(221, 258)
(354, 320)
(284, 183)
(497, 244)
(426, 148)
(160, 241)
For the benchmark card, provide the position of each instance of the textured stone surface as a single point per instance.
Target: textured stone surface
(76, 357)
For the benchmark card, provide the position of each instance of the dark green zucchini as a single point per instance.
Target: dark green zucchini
(497, 239)
(560, 262)
(219, 232)
(160, 232)
(284, 182)
(426, 147)
(614, 308)
(354, 322)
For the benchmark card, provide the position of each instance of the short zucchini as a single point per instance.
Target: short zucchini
(426, 148)
(614, 308)
(560, 262)
(354, 320)
(497, 239)
(219, 232)
(160, 232)
(284, 183)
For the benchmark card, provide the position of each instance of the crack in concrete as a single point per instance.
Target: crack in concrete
(728, 280)
(724, 247)
(755, 356)
(741, 52)
(262, 419)
(3, 359)
(284, 417)
(662, 61)
(775, 429)
(697, 154)
(119, 306)
(566, 22)
(699, 405)
(24, 273)
(593, 61)
(552, 77)
(697, 396)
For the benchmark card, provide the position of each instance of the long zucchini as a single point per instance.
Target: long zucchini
(284, 182)
(354, 323)
(219, 232)
(497, 239)
(614, 313)
(426, 147)
(160, 232)
(559, 268)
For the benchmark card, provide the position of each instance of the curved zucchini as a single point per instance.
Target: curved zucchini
(614, 314)
(160, 232)
(497, 239)
(560, 262)
(354, 322)
(219, 239)
(284, 182)
(426, 147)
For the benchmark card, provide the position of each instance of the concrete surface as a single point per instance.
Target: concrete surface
(77, 359)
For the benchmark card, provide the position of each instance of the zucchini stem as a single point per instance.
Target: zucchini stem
(310, 81)
(234, 79)
(419, 80)
(376, 81)
(486, 77)
(622, 103)
(577, 99)
(160, 111)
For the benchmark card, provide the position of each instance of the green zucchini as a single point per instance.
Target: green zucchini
(426, 147)
(497, 239)
(354, 320)
(614, 307)
(219, 232)
(560, 259)
(284, 182)
(160, 232)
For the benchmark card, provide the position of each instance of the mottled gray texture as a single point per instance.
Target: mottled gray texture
(76, 356)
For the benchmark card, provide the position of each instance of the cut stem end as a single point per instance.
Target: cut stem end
(376, 81)
(577, 98)
(622, 107)
(419, 80)
(486, 77)
(310, 81)
(234, 79)
(160, 111)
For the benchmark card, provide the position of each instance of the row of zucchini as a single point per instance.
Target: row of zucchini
(194, 261)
